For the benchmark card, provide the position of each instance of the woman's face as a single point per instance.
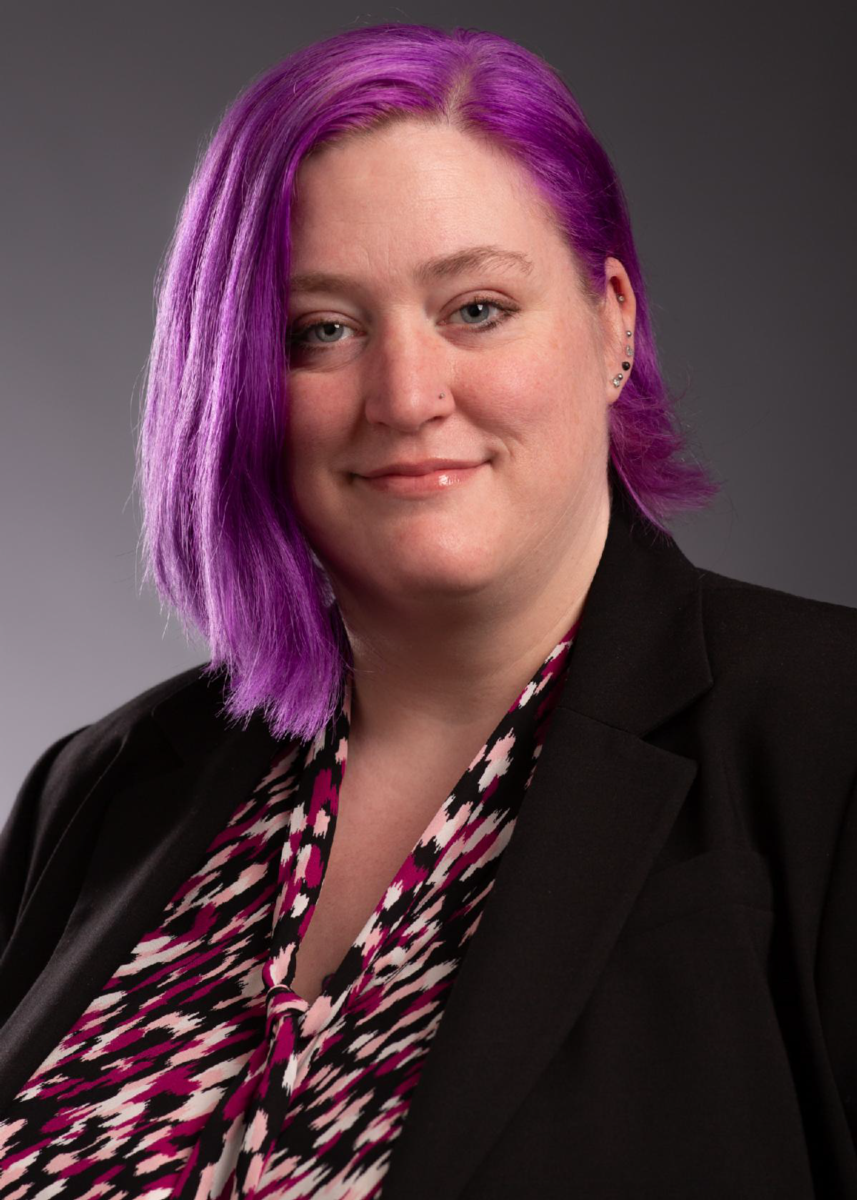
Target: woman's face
(404, 365)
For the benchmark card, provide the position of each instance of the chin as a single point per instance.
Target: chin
(443, 579)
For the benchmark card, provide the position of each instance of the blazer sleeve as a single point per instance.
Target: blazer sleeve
(836, 963)
(42, 808)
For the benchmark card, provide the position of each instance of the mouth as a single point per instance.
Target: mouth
(431, 483)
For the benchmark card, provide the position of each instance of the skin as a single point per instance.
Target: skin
(451, 602)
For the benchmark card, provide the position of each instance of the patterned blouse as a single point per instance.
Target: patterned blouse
(196, 1072)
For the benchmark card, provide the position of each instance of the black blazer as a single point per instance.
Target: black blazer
(661, 998)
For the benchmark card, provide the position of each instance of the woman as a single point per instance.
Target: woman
(587, 913)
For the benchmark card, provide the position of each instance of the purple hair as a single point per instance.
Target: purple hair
(220, 538)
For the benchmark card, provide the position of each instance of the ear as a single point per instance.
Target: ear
(617, 317)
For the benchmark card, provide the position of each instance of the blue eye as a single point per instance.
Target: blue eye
(300, 333)
(483, 304)
(297, 336)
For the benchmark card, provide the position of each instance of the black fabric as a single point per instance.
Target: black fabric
(659, 998)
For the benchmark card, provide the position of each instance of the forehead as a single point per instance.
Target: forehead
(419, 197)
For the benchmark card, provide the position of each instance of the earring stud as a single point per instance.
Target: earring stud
(626, 366)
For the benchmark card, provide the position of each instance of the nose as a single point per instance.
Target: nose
(409, 380)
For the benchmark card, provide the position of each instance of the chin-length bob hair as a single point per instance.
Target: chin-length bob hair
(220, 537)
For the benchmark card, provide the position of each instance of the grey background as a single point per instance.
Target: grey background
(731, 127)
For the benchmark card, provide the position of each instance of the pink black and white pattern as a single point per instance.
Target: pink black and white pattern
(197, 1073)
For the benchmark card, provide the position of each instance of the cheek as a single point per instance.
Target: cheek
(314, 431)
(553, 425)
(544, 414)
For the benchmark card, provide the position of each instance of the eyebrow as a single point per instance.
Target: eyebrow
(444, 266)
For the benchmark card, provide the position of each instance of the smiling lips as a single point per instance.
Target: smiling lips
(424, 467)
(421, 479)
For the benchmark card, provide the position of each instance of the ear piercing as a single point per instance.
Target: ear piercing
(626, 366)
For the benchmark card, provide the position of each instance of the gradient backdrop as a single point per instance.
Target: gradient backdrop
(732, 128)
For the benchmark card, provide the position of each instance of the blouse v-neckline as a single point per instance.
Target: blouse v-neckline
(312, 827)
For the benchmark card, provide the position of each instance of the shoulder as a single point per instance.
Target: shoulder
(774, 634)
(67, 768)
(63, 775)
(128, 714)
(784, 669)
(99, 740)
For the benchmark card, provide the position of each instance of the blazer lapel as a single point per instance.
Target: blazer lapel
(599, 809)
